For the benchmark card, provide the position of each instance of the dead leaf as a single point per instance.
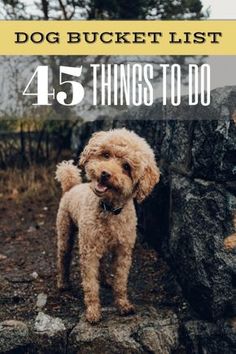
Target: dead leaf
(230, 242)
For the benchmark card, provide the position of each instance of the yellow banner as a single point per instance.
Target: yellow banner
(118, 37)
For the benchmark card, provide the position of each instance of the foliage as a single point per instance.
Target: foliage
(102, 9)
(34, 183)
(29, 141)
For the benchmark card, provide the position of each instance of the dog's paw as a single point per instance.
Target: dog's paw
(125, 308)
(93, 314)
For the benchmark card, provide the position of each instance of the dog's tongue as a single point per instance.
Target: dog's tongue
(100, 187)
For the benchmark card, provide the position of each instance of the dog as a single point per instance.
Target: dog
(120, 167)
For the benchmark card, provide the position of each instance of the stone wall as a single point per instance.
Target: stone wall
(190, 212)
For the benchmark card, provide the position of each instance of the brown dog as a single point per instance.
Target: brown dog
(121, 167)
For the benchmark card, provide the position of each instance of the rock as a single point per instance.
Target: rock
(48, 324)
(162, 337)
(200, 221)
(34, 275)
(49, 335)
(19, 277)
(14, 336)
(213, 150)
(147, 331)
(32, 229)
(41, 300)
(210, 338)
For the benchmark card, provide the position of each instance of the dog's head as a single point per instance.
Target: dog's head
(120, 164)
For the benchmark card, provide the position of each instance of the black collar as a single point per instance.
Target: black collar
(109, 208)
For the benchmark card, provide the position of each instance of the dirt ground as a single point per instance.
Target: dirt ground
(27, 267)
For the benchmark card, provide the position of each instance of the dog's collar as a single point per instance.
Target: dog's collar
(109, 208)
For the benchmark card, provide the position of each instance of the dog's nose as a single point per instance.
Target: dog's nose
(105, 175)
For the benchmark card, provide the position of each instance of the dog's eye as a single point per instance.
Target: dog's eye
(127, 167)
(106, 155)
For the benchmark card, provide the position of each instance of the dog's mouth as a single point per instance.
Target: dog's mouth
(101, 188)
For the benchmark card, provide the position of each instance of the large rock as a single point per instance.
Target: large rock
(200, 220)
(190, 212)
(210, 338)
(49, 335)
(149, 331)
(213, 150)
(14, 336)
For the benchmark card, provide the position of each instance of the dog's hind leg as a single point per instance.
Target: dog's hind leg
(65, 242)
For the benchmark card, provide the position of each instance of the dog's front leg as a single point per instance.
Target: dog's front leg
(122, 266)
(89, 265)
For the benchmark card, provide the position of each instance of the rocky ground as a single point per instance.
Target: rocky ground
(28, 294)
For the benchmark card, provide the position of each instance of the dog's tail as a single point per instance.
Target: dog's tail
(68, 175)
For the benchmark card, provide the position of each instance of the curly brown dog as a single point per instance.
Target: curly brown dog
(121, 167)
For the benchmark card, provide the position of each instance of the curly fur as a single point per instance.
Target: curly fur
(130, 170)
(68, 175)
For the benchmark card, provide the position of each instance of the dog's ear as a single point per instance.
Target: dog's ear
(148, 180)
(91, 148)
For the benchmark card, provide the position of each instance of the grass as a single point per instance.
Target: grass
(32, 183)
